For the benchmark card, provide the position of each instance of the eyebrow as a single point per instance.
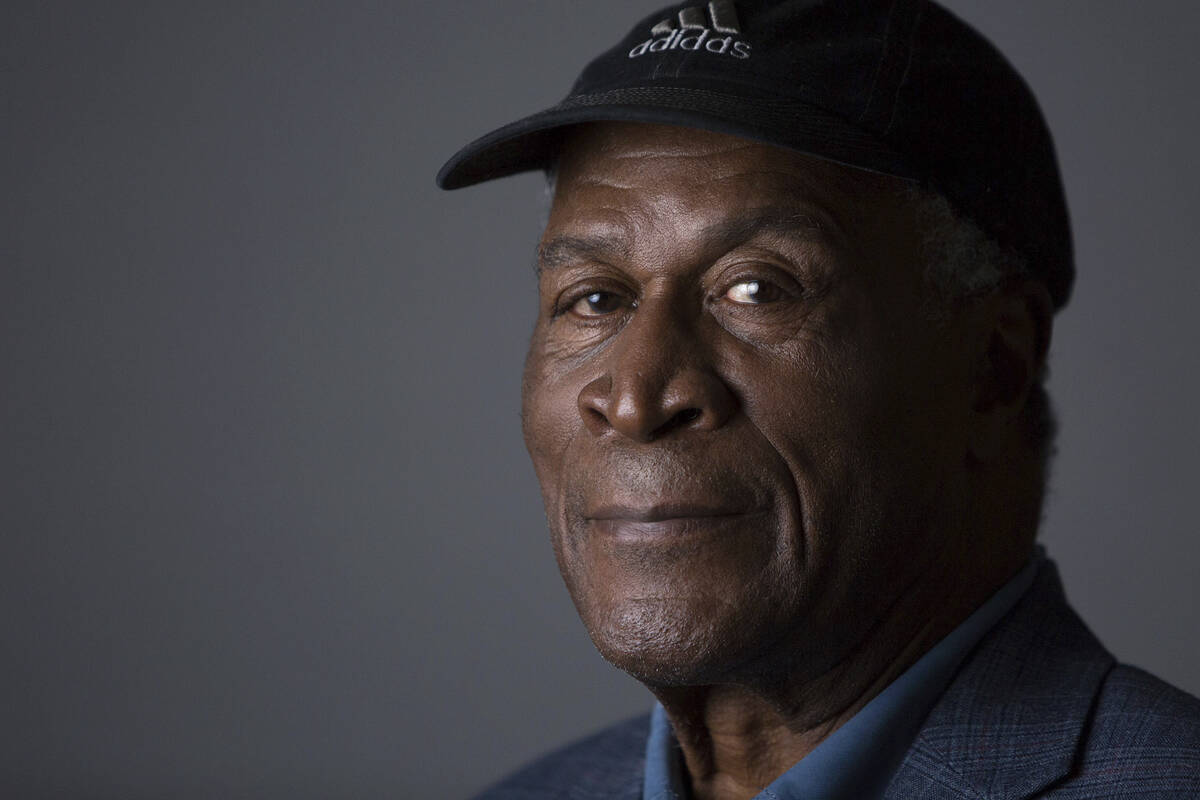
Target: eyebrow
(726, 234)
(563, 250)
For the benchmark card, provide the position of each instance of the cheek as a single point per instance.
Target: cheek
(834, 403)
(549, 421)
(871, 450)
(814, 398)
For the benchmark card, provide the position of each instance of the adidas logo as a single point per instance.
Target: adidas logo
(698, 31)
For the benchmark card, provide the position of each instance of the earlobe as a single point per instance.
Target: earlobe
(1015, 326)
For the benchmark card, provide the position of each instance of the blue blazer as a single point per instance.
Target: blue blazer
(1039, 709)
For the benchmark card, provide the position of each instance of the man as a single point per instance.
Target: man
(784, 399)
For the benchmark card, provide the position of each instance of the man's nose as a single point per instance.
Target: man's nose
(659, 379)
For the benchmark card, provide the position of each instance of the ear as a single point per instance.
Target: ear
(1015, 323)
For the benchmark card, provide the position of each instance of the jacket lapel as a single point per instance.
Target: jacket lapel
(1010, 723)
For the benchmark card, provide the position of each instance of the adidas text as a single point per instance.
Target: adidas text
(703, 39)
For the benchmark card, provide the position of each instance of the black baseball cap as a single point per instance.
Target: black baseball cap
(899, 87)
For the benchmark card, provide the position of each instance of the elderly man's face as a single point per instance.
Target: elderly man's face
(747, 430)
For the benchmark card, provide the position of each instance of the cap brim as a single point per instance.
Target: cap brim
(531, 143)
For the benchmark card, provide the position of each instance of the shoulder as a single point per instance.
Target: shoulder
(1138, 707)
(1042, 709)
(1143, 740)
(605, 765)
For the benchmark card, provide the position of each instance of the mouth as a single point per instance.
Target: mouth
(666, 521)
(662, 512)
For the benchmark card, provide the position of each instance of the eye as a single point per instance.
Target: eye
(753, 293)
(597, 304)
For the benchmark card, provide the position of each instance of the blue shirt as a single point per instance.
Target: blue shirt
(856, 761)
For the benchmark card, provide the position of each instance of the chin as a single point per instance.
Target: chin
(688, 610)
(661, 643)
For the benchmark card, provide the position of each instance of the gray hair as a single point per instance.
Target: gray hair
(961, 261)
(551, 172)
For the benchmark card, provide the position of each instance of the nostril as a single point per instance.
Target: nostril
(595, 421)
(680, 419)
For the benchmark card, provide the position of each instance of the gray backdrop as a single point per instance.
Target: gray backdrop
(268, 527)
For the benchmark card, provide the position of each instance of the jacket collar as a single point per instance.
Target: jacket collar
(1011, 721)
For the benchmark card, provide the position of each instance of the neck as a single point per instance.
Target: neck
(739, 736)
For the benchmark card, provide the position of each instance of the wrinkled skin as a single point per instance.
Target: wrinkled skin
(758, 452)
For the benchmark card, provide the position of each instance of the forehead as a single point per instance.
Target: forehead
(648, 170)
(655, 186)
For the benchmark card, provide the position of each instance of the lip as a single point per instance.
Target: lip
(663, 512)
(667, 524)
